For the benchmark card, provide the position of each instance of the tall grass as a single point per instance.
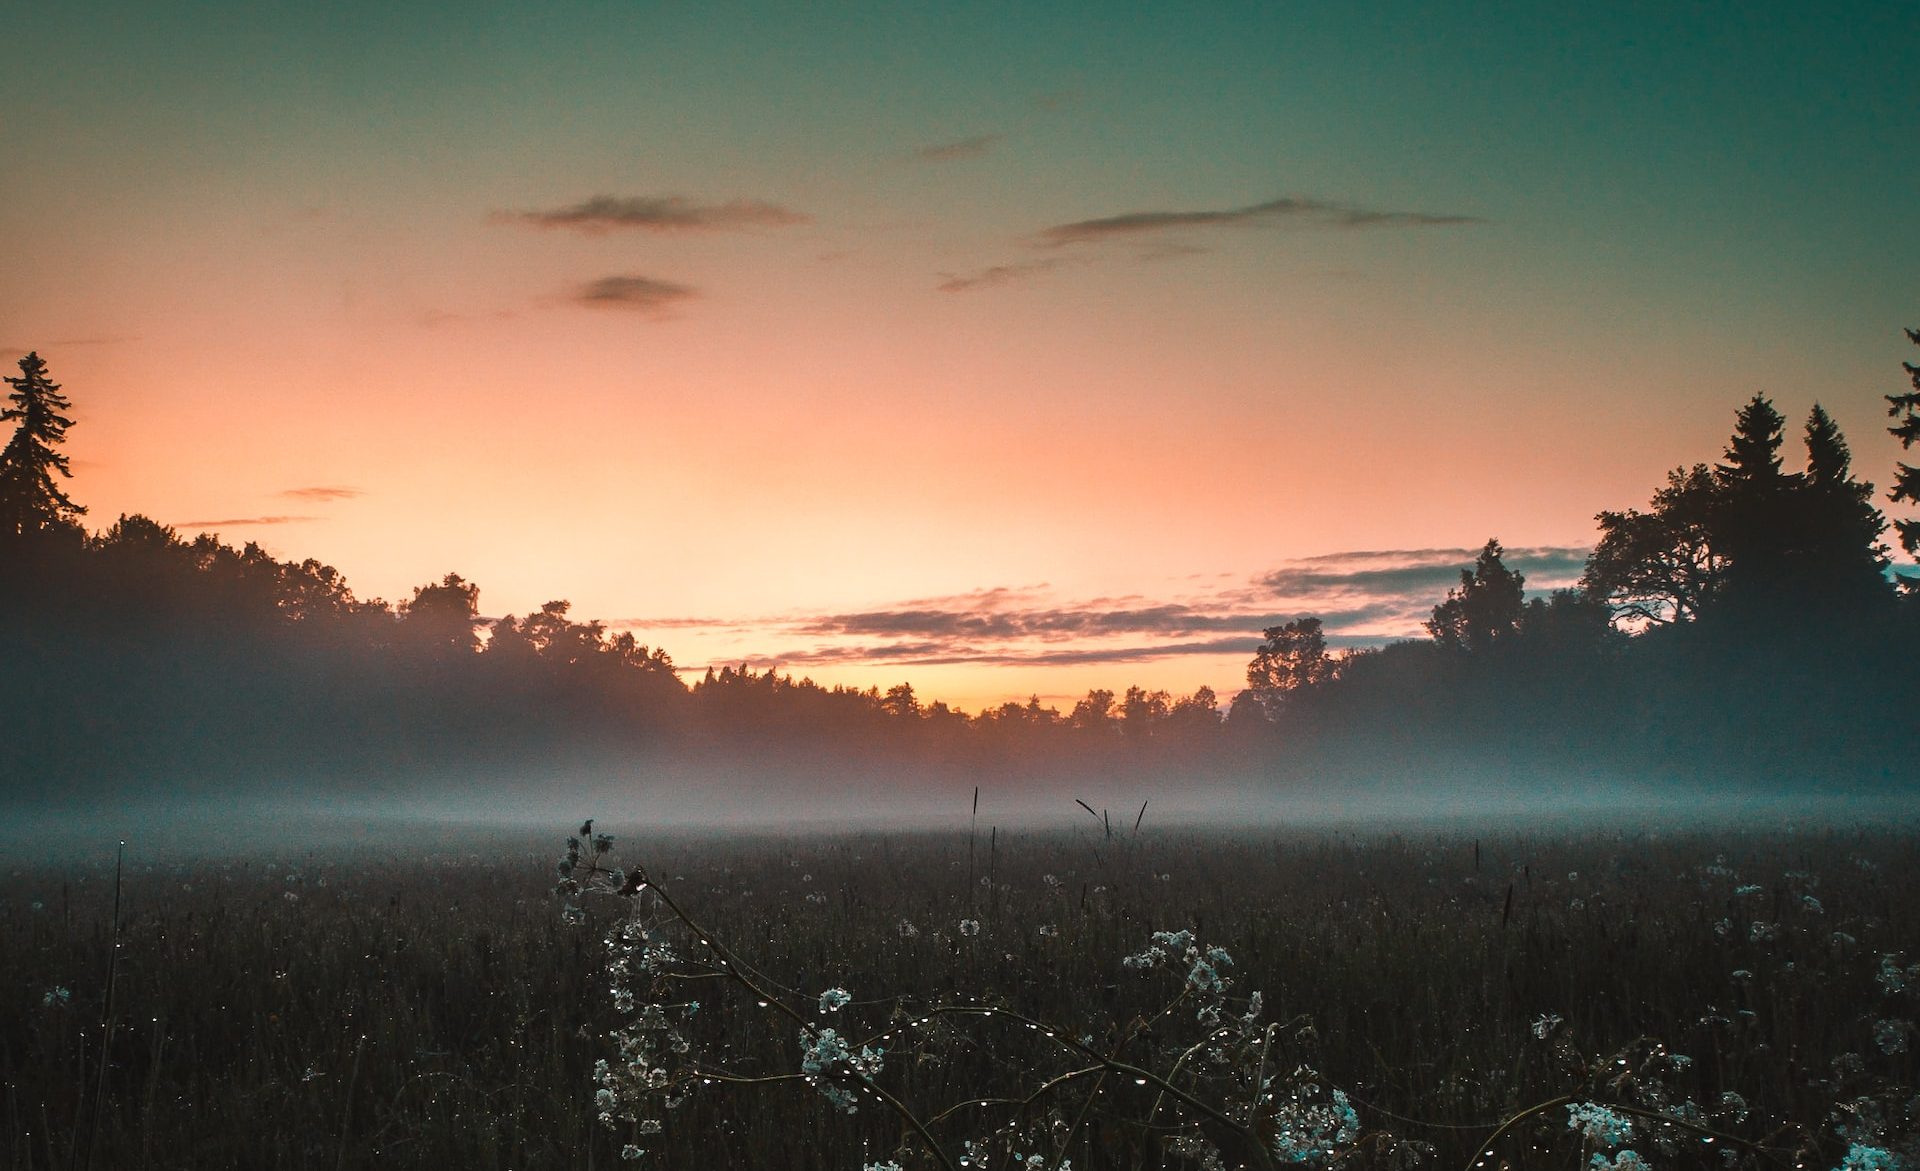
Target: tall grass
(425, 1005)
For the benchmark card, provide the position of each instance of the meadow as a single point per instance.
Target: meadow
(429, 1000)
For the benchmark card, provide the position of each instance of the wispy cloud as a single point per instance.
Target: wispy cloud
(236, 522)
(1394, 590)
(965, 148)
(640, 294)
(994, 277)
(658, 213)
(942, 654)
(1365, 597)
(48, 349)
(1272, 213)
(322, 492)
(1394, 571)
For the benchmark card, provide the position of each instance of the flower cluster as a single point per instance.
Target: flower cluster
(1599, 1124)
(1313, 1127)
(828, 1064)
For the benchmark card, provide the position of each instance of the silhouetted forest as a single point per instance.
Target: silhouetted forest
(1743, 626)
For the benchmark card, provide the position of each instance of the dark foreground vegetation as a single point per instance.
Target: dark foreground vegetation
(430, 1004)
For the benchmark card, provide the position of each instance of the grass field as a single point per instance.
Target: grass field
(424, 1003)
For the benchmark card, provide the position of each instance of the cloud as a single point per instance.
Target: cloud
(321, 493)
(235, 522)
(640, 294)
(13, 353)
(658, 213)
(1273, 213)
(940, 654)
(999, 274)
(965, 148)
(1396, 571)
(1392, 591)
(1364, 598)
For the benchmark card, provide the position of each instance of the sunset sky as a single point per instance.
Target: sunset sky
(1002, 348)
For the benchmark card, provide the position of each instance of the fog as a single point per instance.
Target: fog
(686, 802)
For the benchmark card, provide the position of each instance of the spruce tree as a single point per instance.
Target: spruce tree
(31, 501)
(1906, 480)
(1841, 560)
(1755, 523)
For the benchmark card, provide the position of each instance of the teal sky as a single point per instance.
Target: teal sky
(295, 224)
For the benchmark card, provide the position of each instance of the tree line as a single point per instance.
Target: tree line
(1744, 625)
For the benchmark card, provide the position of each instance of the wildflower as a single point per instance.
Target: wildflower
(1545, 1024)
(1312, 1132)
(1731, 1104)
(969, 927)
(1173, 940)
(56, 997)
(834, 999)
(1811, 905)
(1891, 977)
(1599, 1124)
(824, 1057)
(1861, 1157)
(649, 1126)
(1723, 927)
(1758, 932)
(1891, 1036)
(889, 1165)
(1624, 1161)
(1742, 974)
(906, 929)
(631, 1153)
(1203, 977)
(1048, 931)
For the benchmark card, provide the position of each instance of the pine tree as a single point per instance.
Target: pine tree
(31, 502)
(1755, 523)
(1906, 480)
(1840, 558)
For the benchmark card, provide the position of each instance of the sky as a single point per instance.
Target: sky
(1005, 349)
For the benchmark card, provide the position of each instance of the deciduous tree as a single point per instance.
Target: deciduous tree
(1485, 610)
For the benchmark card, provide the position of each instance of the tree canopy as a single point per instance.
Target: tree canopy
(31, 500)
(1486, 609)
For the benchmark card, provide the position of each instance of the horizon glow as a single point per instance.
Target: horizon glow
(725, 322)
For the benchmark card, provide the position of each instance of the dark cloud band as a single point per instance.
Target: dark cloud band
(636, 293)
(659, 213)
(1272, 213)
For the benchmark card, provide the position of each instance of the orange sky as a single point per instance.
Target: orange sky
(937, 310)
